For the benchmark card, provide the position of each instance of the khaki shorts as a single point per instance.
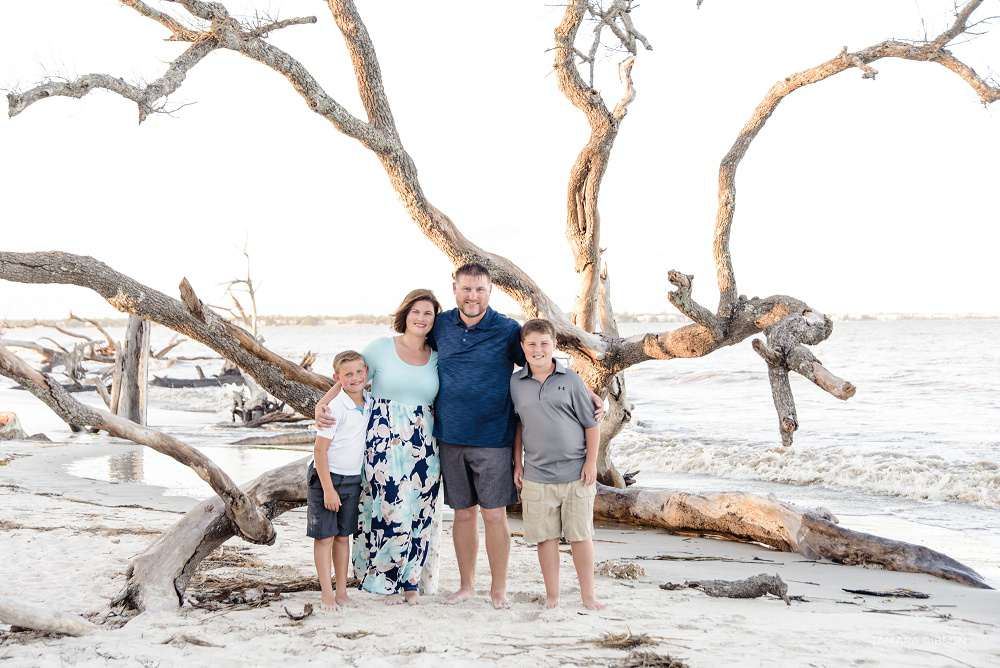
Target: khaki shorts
(551, 510)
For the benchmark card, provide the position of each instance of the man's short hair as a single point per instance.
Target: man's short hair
(344, 357)
(418, 295)
(472, 270)
(538, 326)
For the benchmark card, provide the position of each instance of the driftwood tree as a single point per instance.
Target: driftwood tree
(589, 335)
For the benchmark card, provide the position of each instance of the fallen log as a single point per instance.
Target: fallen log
(217, 381)
(812, 533)
(288, 438)
(38, 618)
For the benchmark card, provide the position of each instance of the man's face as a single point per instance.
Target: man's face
(472, 295)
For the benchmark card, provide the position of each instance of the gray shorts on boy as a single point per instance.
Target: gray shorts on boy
(323, 523)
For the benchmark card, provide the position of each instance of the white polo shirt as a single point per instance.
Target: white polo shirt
(346, 451)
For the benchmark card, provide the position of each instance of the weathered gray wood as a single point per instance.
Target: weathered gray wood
(754, 586)
(784, 351)
(783, 526)
(252, 524)
(10, 427)
(285, 380)
(159, 575)
(38, 618)
(116, 382)
(134, 381)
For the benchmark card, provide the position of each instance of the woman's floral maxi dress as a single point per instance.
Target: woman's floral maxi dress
(399, 492)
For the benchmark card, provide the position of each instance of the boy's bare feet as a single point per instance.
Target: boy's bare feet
(394, 599)
(328, 604)
(500, 601)
(462, 594)
(551, 603)
(346, 602)
(413, 598)
(593, 604)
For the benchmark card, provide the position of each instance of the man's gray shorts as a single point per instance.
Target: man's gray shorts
(322, 523)
(474, 475)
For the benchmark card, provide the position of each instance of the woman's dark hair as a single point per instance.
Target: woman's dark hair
(418, 295)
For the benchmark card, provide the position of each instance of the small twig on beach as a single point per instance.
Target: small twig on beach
(626, 640)
(354, 635)
(670, 557)
(945, 656)
(307, 610)
(895, 593)
(183, 638)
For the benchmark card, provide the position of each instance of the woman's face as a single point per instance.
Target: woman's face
(420, 319)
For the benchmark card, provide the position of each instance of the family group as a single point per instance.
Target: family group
(446, 405)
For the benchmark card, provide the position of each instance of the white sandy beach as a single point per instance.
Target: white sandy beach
(65, 542)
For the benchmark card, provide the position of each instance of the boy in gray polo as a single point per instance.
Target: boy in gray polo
(558, 439)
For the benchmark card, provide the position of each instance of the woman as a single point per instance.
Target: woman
(402, 471)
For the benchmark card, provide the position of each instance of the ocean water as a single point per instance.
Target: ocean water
(915, 454)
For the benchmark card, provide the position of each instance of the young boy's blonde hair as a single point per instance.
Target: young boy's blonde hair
(344, 357)
(538, 326)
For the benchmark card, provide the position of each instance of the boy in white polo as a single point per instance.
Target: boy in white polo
(334, 478)
(558, 438)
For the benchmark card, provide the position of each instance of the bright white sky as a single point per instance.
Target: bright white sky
(858, 196)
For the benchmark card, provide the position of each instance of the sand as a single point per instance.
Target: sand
(66, 542)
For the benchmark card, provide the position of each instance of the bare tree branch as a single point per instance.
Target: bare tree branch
(286, 380)
(150, 99)
(253, 525)
(96, 325)
(582, 214)
(924, 52)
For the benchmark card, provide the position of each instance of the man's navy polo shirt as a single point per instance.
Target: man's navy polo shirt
(473, 406)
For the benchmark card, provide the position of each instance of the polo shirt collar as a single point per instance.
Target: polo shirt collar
(349, 403)
(525, 371)
(488, 318)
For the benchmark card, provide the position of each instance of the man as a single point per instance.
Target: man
(474, 426)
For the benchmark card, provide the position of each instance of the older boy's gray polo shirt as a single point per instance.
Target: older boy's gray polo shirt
(553, 416)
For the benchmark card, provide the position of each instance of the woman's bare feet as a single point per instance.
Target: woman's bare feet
(593, 604)
(346, 602)
(413, 597)
(551, 603)
(394, 599)
(328, 604)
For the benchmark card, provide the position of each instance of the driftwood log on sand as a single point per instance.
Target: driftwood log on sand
(814, 534)
(35, 617)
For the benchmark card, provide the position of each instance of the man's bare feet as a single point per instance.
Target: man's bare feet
(462, 594)
(551, 603)
(394, 599)
(593, 604)
(413, 597)
(500, 601)
(346, 602)
(328, 604)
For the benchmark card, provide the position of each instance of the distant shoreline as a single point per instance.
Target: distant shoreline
(368, 319)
